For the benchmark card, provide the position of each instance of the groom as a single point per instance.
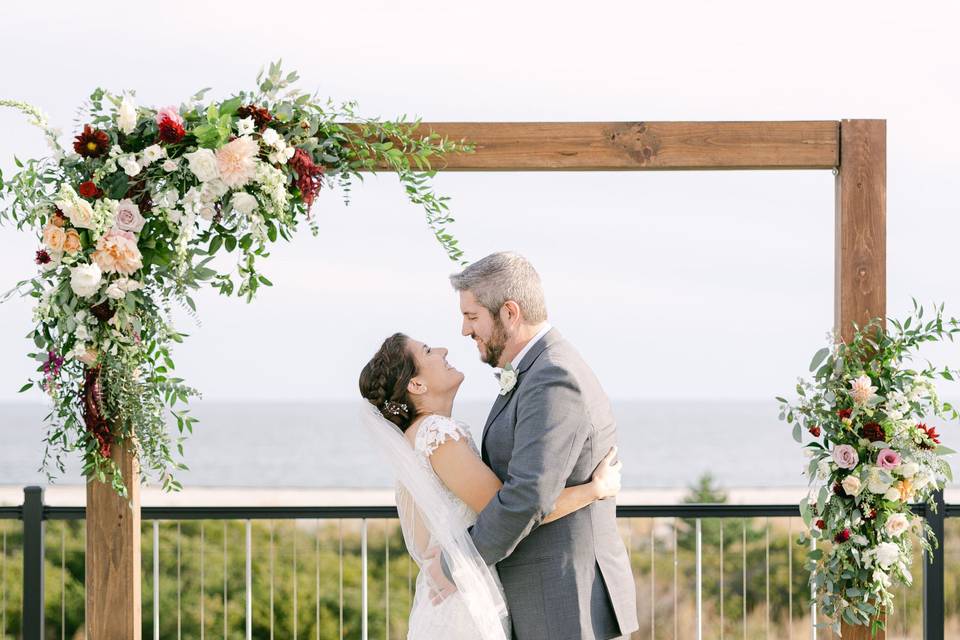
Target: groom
(549, 428)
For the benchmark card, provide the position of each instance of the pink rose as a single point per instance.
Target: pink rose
(845, 456)
(888, 459)
(169, 113)
(128, 217)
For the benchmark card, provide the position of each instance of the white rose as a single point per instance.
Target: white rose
(271, 137)
(244, 203)
(81, 332)
(897, 524)
(85, 279)
(892, 494)
(153, 153)
(203, 164)
(129, 165)
(887, 553)
(78, 210)
(115, 291)
(174, 215)
(208, 212)
(170, 165)
(127, 115)
(851, 485)
(245, 126)
(128, 285)
(213, 190)
(876, 483)
(909, 470)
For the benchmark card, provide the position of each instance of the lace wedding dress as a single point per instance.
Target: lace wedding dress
(435, 521)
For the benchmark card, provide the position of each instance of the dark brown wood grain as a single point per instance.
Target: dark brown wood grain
(861, 225)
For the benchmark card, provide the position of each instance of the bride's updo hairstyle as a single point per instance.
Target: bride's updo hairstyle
(384, 380)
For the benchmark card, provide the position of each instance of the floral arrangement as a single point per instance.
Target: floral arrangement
(129, 219)
(874, 451)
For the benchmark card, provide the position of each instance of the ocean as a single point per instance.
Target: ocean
(664, 444)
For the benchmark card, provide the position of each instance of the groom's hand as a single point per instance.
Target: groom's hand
(441, 586)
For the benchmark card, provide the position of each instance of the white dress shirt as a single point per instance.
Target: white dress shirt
(534, 340)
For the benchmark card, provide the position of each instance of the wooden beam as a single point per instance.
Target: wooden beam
(113, 554)
(620, 146)
(861, 225)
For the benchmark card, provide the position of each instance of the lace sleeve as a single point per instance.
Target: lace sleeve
(436, 430)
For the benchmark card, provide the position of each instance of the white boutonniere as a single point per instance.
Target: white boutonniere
(508, 379)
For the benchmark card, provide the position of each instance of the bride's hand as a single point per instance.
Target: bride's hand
(606, 477)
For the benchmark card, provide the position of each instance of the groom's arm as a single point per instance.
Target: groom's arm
(550, 432)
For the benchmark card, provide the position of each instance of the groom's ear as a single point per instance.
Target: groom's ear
(510, 313)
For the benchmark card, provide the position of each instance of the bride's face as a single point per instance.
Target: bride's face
(434, 373)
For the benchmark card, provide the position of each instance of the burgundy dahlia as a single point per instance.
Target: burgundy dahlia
(42, 257)
(261, 117)
(92, 143)
(842, 536)
(844, 413)
(308, 175)
(821, 525)
(89, 190)
(873, 432)
(815, 431)
(838, 489)
(170, 131)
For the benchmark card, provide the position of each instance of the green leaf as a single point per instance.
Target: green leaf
(230, 107)
(797, 433)
(215, 244)
(818, 358)
(116, 185)
(943, 451)
(25, 387)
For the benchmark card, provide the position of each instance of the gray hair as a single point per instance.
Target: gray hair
(504, 276)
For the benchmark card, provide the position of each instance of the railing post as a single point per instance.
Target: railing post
(933, 575)
(33, 526)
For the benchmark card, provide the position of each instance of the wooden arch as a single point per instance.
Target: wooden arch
(855, 149)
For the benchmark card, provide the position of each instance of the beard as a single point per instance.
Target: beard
(495, 345)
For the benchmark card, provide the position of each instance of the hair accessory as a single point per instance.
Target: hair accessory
(394, 408)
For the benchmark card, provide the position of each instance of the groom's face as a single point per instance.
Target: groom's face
(485, 329)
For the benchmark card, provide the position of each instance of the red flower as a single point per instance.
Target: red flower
(844, 413)
(843, 536)
(930, 434)
(260, 115)
(838, 489)
(873, 432)
(171, 131)
(821, 525)
(90, 190)
(815, 431)
(308, 175)
(92, 143)
(42, 257)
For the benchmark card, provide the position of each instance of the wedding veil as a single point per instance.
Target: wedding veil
(428, 520)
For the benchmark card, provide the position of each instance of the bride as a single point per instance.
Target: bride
(442, 484)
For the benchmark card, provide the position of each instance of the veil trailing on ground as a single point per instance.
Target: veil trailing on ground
(429, 522)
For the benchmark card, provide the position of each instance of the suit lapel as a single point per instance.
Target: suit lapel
(548, 339)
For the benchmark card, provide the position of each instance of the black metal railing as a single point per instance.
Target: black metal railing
(34, 514)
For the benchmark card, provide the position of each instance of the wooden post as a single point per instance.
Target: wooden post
(861, 225)
(861, 245)
(113, 554)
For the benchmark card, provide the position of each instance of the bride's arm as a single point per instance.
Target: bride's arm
(475, 483)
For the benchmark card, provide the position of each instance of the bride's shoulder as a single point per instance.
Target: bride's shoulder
(433, 430)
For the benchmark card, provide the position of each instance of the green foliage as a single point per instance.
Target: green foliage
(289, 145)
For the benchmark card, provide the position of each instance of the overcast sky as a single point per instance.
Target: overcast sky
(673, 285)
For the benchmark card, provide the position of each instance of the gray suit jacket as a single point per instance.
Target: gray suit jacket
(569, 579)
